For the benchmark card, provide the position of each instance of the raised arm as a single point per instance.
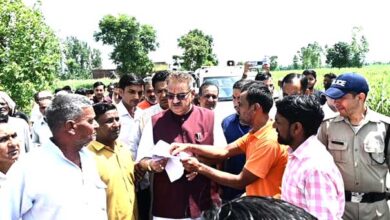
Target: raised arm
(207, 151)
(239, 181)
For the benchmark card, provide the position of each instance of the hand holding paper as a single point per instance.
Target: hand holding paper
(174, 167)
(180, 148)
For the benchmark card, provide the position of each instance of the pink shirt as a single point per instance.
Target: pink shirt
(313, 182)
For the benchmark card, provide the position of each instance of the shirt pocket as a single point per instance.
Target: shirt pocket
(201, 137)
(100, 196)
(375, 151)
(338, 149)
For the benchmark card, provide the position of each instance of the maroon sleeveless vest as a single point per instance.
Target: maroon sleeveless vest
(183, 198)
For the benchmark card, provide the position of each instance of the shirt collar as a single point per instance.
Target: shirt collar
(304, 149)
(122, 111)
(370, 116)
(258, 134)
(54, 149)
(99, 146)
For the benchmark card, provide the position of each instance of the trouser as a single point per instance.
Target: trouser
(144, 203)
(367, 211)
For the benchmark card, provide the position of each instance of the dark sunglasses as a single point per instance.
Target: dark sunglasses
(179, 96)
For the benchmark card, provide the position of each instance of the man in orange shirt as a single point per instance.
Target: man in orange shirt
(265, 158)
(150, 97)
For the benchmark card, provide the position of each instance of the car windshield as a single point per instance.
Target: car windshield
(225, 85)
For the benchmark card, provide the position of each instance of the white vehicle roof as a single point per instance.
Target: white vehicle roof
(219, 71)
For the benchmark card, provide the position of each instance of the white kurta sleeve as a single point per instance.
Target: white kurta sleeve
(146, 142)
(219, 136)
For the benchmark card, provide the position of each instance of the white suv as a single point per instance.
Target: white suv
(224, 78)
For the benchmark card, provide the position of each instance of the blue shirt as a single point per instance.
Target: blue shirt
(233, 129)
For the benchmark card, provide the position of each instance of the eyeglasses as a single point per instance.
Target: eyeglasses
(208, 96)
(179, 96)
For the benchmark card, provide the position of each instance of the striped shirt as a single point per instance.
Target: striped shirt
(313, 182)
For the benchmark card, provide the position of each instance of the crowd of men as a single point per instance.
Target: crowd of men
(323, 154)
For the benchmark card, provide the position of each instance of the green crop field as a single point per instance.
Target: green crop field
(378, 77)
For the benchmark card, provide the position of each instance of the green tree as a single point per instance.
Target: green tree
(96, 58)
(198, 50)
(310, 56)
(29, 52)
(132, 43)
(339, 55)
(359, 47)
(295, 62)
(273, 62)
(80, 59)
(343, 54)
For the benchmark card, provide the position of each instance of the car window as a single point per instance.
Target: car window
(225, 85)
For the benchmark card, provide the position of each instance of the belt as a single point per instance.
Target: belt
(370, 197)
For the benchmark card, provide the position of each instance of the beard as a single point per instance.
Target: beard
(285, 141)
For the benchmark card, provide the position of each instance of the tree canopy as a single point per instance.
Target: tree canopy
(343, 54)
(132, 42)
(198, 50)
(273, 62)
(339, 55)
(310, 56)
(80, 59)
(29, 52)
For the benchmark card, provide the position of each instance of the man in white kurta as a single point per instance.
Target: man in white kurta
(59, 180)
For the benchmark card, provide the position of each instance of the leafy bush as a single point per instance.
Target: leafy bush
(29, 52)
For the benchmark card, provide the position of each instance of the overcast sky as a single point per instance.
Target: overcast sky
(242, 29)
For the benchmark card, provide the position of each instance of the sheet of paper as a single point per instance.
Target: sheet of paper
(174, 167)
(161, 149)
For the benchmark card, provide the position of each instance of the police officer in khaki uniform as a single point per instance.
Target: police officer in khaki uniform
(356, 140)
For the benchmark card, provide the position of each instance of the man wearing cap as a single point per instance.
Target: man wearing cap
(356, 140)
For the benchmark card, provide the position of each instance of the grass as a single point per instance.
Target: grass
(85, 83)
(378, 77)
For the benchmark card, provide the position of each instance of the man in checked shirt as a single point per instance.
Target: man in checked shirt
(311, 179)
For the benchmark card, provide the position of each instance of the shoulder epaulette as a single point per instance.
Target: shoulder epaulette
(330, 117)
(382, 118)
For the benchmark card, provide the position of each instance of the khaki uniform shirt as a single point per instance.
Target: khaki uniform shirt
(351, 149)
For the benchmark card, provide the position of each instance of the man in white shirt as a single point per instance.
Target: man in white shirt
(160, 89)
(143, 189)
(130, 89)
(9, 148)
(59, 180)
(8, 109)
(208, 95)
(40, 130)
